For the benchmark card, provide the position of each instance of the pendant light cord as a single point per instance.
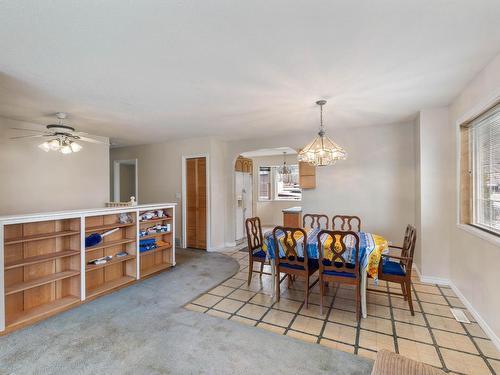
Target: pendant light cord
(321, 132)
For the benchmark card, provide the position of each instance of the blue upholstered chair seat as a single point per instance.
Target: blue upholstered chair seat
(392, 268)
(312, 264)
(259, 253)
(338, 273)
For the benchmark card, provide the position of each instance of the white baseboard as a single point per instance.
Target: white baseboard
(482, 323)
(431, 279)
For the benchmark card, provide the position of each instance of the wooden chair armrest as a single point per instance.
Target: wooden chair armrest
(395, 247)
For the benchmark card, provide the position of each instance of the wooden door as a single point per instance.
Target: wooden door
(196, 203)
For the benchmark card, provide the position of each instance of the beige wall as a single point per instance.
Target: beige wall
(127, 181)
(376, 182)
(434, 174)
(159, 169)
(32, 180)
(474, 261)
(417, 259)
(449, 251)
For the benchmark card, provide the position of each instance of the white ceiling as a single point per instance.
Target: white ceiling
(269, 152)
(152, 70)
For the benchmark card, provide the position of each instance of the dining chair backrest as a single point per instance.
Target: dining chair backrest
(254, 234)
(319, 221)
(346, 223)
(290, 246)
(408, 247)
(343, 246)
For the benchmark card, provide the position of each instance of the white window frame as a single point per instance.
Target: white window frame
(477, 209)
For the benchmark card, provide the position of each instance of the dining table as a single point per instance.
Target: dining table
(371, 248)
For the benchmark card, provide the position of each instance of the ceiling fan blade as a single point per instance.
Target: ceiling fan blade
(92, 140)
(30, 136)
(30, 130)
(79, 133)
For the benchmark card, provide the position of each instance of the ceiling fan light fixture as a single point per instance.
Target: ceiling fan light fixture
(322, 151)
(60, 137)
(45, 146)
(66, 149)
(54, 144)
(75, 147)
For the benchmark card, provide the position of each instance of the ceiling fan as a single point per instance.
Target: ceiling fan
(60, 137)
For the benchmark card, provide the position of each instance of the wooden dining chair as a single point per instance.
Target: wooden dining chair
(315, 221)
(255, 252)
(346, 223)
(292, 264)
(399, 271)
(344, 265)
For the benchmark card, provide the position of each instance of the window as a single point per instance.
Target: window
(272, 186)
(264, 183)
(289, 189)
(481, 141)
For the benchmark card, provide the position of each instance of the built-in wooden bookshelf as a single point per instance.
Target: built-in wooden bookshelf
(118, 271)
(41, 269)
(162, 257)
(45, 261)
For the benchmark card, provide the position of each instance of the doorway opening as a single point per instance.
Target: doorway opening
(125, 181)
(262, 190)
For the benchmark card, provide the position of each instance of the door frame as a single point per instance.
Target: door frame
(116, 178)
(208, 197)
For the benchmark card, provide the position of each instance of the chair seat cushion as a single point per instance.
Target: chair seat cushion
(312, 264)
(259, 253)
(392, 268)
(338, 273)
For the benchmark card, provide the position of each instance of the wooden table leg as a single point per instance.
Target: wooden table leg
(364, 277)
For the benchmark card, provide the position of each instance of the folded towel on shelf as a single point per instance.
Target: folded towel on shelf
(147, 244)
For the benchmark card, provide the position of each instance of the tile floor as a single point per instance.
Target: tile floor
(432, 335)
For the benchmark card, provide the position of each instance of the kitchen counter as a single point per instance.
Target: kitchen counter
(296, 209)
(292, 217)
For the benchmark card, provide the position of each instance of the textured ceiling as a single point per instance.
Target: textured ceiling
(151, 70)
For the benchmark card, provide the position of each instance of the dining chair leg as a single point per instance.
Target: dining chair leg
(408, 293)
(358, 301)
(307, 291)
(403, 288)
(321, 286)
(289, 281)
(278, 284)
(250, 270)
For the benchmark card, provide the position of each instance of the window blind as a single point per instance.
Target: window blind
(485, 137)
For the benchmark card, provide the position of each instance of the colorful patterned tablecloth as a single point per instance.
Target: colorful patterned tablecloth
(371, 247)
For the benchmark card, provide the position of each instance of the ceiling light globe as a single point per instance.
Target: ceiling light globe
(66, 149)
(54, 144)
(75, 147)
(45, 146)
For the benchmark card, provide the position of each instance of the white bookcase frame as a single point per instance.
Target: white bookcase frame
(81, 215)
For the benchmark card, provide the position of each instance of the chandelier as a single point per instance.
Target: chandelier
(284, 171)
(322, 151)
